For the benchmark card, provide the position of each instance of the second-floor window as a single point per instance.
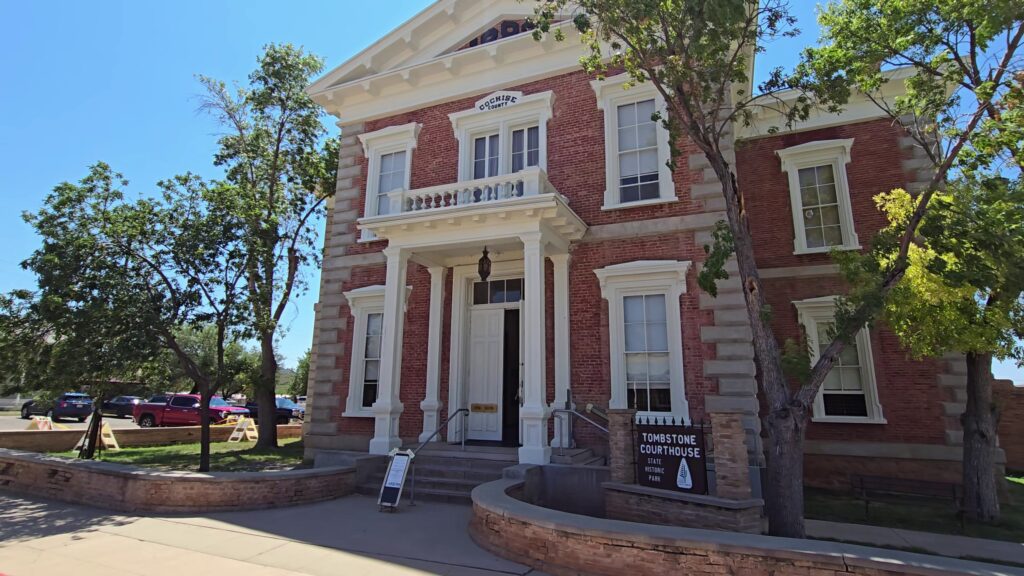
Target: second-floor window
(391, 178)
(504, 140)
(636, 144)
(485, 156)
(525, 148)
(819, 195)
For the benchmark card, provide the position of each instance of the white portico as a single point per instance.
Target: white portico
(522, 220)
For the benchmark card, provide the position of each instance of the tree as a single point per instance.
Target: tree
(278, 158)
(241, 365)
(964, 292)
(698, 55)
(301, 380)
(962, 108)
(125, 278)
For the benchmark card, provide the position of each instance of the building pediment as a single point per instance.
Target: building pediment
(451, 49)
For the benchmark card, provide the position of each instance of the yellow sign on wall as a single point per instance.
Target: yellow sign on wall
(483, 408)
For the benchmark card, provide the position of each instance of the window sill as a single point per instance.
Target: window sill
(639, 203)
(363, 413)
(848, 420)
(826, 250)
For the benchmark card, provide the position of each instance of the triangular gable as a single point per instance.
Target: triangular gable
(444, 27)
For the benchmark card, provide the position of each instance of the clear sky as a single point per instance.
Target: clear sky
(115, 81)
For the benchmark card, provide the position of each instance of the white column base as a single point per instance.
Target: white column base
(431, 420)
(534, 422)
(385, 428)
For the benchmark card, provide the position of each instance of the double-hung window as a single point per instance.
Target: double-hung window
(820, 195)
(367, 307)
(389, 161)
(504, 140)
(636, 144)
(645, 340)
(849, 393)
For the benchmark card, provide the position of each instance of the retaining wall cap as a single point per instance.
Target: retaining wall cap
(125, 470)
(493, 497)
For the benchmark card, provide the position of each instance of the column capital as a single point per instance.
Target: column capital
(391, 252)
(560, 258)
(533, 238)
(437, 271)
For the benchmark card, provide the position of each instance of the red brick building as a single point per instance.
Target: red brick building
(462, 134)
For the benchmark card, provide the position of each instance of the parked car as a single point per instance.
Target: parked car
(120, 406)
(67, 405)
(181, 410)
(286, 410)
(301, 401)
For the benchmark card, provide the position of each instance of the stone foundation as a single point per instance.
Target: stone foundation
(635, 503)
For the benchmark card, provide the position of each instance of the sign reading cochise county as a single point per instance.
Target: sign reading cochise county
(499, 99)
(671, 457)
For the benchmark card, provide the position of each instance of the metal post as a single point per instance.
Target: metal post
(465, 427)
(412, 498)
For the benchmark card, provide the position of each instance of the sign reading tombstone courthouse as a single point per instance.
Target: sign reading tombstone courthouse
(671, 457)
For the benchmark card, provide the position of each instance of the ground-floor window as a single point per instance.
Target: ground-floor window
(849, 393)
(645, 335)
(367, 308)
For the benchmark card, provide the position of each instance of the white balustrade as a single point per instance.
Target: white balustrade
(529, 182)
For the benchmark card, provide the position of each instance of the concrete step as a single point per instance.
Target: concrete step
(457, 473)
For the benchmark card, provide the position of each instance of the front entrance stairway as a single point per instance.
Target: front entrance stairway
(446, 473)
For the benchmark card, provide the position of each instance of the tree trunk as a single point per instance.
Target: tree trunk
(265, 397)
(204, 429)
(784, 500)
(981, 499)
(787, 417)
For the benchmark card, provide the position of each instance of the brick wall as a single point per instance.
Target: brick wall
(650, 509)
(1010, 402)
(567, 544)
(64, 440)
(131, 489)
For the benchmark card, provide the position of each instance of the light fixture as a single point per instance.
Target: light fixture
(483, 267)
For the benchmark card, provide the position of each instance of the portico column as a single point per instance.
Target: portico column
(431, 404)
(533, 415)
(562, 361)
(388, 407)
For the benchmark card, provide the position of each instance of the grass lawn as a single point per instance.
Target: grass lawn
(927, 517)
(224, 456)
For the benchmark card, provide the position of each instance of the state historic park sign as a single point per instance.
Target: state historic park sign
(671, 457)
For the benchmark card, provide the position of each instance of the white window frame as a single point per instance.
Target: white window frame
(814, 311)
(812, 154)
(362, 302)
(641, 278)
(532, 110)
(376, 144)
(612, 93)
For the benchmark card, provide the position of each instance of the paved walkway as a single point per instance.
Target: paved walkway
(941, 544)
(344, 536)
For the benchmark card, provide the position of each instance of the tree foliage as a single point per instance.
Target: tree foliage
(282, 165)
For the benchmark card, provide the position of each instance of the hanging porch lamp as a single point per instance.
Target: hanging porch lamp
(483, 267)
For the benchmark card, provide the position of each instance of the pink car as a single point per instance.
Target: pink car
(181, 410)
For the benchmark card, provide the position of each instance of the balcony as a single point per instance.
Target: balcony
(482, 209)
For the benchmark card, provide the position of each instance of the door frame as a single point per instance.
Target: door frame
(458, 370)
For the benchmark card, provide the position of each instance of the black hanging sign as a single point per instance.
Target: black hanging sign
(394, 479)
(671, 457)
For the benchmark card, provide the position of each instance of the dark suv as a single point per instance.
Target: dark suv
(286, 410)
(67, 405)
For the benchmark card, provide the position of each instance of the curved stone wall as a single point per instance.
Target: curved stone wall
(562, 544)
(133, 489)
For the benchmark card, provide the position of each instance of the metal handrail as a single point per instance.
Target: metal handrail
(412, 491)
(441, 427)
(569, 413)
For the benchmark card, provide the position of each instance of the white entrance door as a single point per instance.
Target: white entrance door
(486, 344)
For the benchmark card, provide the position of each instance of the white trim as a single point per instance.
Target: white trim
(376, 144)
(835, 153)
(612, 93)
(361, 302)
(643, 277)
(810, 313)
(535, 109)
(462, 277)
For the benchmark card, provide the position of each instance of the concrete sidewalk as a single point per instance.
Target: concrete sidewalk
(344, 536)
(940, 544)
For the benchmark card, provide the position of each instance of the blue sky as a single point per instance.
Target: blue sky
(115, 81)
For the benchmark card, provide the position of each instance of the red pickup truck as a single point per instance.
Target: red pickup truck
(181, 410)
